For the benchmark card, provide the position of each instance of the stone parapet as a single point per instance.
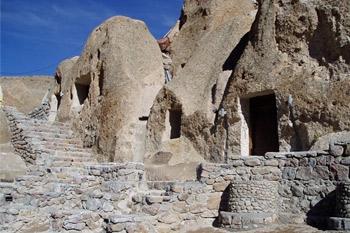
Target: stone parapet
(343, 200)
(41, 112)
(253, 197)
(250, 204)
(306, 180)
(19, 139)
(118, 171)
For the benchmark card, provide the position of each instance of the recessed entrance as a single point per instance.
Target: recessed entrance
(82, 87)
(175, 123)
(82, 92)
(259, 130)
(172, 124)
(263, 121)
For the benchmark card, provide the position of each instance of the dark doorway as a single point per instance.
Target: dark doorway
(263, 124)
(58, 97)
(175, 123)
(82, 92)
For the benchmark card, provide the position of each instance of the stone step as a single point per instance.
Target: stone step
(153, 192)
(160, 185)
(153, 199)
(69, 170)
(50, 135)
(71, 164)
(71, 179)
(238, 221)
(55, 146)
(88, 158)
(127, 218)
(63, 153)
(53, 140)
(32, 178)
(8, 185)
(45, 129)
(35, 122)
(52, 149)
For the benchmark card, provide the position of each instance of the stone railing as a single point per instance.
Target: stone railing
(20, 141)
(132, 172)
(41, 112)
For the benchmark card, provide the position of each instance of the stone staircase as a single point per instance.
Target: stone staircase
(66, 190)
(56, 173)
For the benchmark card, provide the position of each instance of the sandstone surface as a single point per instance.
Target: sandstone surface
(298, 50)
(111, 88)
(25, 93)
(238, 118)
(11, 164)
(201, 53)
(286, 54)
(65, 90)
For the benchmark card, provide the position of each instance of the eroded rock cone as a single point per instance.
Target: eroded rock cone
(112, 86)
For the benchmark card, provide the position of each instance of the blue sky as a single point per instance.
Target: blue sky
(37, 34)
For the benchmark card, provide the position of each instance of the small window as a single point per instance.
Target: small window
(8, 197)
(143, 118)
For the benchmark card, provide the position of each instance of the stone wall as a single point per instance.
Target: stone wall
(118, 171)
(307, 180)
(20, 141)
(253, 196)
(250, 204)
(41, 112)
(179, 205)
(343, 200)
(304, 184)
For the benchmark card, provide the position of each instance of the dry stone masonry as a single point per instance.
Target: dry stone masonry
(41, 112)
(237, 119)
(343, 200)
(250, 203)
(341, 221)
(253, 196)
(21, 142)
(74, 192)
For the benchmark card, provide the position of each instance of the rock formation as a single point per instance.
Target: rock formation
(111, 86)
(237, 118)
(298, 51)
(201, 53)
(65, 91)
(25, 93)
(285, 55)
(221, 65)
